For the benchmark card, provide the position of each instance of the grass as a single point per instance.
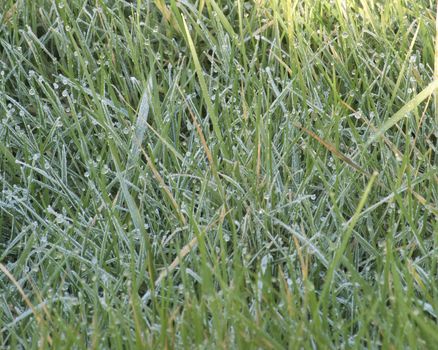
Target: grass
(218, 174)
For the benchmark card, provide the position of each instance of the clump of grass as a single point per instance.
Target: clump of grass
(213, 174)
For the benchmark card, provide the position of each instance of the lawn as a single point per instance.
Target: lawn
(218, 174)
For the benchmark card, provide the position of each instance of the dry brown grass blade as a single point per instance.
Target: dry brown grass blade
(284, 64)
(186, 250)
(181, 255)
(167, 14)
(435, 72)
(161, 5)
(38, 317)
(332, 149)
(413, 271)
(304, 265)
(165, 188)
(206, 148)
(204, 145)
(10, 13)
(261, 29)
(289, 297)
(194, 241)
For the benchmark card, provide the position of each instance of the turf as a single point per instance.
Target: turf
(218, 174)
